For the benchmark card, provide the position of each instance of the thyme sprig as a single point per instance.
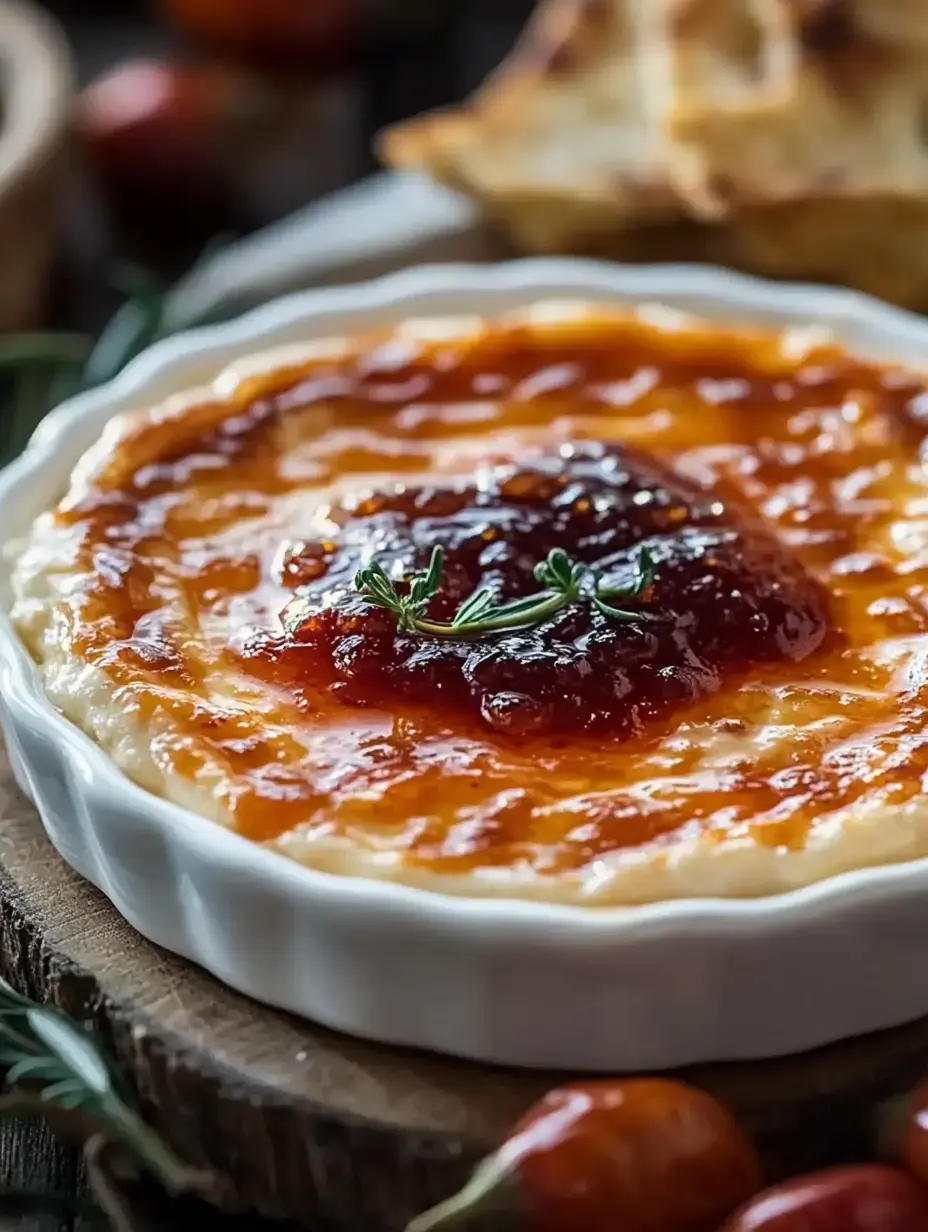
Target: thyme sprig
(564, 582)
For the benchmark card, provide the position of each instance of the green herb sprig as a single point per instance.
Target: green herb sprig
(565, 582)
(52, 1066)
(50, 366)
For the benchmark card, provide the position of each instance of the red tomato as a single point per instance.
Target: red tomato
(153, 126)
(864, 1198)
(646, 1153)
(640, 1155)
(301, 34)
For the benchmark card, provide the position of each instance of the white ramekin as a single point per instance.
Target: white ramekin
(512, 982)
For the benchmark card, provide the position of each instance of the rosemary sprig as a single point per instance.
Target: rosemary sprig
(565, 582)
(52, 1066)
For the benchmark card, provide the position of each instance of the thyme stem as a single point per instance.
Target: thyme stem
(565, 582)
(543, 606)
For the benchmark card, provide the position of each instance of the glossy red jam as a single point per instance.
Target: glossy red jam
(725, 595)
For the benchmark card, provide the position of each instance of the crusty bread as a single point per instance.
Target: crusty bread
(566, 139)
(776, 100)
(784, 136)
(903, 22)
(878, 245)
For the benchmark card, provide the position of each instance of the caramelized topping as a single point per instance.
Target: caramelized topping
(773, 672)
(725, 596)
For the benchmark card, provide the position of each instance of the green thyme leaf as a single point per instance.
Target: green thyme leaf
(622, 615)
(425, 586)
(474, 608)
(565, 581)
(372, 581)
(645, 570)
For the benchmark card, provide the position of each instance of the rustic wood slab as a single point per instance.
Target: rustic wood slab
(309, 1125)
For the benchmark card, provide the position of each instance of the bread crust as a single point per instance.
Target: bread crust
(785, 137)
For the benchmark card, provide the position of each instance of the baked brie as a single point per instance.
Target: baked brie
(577, 604)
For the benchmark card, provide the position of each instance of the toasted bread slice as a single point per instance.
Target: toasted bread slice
(784, 137)
(878, 245)
(565, 143)
(902, 22)
(792, 100)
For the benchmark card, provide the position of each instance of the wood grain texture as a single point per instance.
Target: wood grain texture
(331, 1132)
(33, 1163)
(35, 1168)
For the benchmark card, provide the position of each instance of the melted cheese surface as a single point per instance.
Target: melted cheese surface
(762, 727)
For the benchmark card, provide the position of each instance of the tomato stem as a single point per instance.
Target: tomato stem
(493, 1189)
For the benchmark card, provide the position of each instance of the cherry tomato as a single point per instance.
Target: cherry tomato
(864, 1198)
(640, 1155)
(315, 35)
(150, 126)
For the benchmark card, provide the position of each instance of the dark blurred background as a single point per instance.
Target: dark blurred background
(260, 106)
(189, 123)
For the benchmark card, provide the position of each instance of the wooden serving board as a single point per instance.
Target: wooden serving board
(305, 1124)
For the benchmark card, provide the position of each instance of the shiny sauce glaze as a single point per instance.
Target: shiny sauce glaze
(777, 673)
(725, 595)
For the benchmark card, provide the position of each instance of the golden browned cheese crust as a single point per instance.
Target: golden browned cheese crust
(757, 722)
